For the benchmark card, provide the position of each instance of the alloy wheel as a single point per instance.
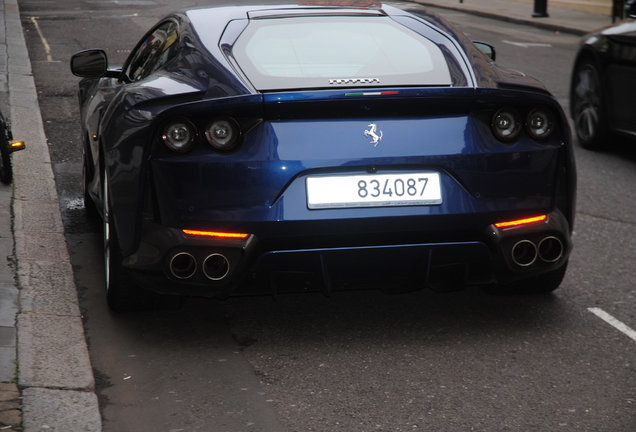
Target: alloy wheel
(107, 237)
(588, 105)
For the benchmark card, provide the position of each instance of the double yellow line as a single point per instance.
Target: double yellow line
(47, 47)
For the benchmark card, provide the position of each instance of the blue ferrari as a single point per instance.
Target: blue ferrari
(276, 148)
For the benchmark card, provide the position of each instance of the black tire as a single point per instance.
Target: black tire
(588, 107)
(122, 294)
(92, 212)
(544, 284)
(6, 170)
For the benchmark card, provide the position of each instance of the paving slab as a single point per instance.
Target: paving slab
(53, 353)
(558, 19)
(48, 288)
(59, 410)
(55, 374)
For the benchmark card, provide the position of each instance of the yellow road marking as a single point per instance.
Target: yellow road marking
(47, 48)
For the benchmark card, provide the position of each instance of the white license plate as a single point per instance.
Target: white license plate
(374, 190)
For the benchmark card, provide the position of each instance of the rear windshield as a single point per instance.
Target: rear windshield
(332, 52)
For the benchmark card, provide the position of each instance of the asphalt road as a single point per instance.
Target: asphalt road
(357, 361)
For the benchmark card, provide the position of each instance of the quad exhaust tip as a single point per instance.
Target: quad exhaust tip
(525, 252)
(550, 249)
(183, 265)
(216, 266)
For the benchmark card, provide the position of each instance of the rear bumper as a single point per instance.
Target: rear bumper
(171, 262)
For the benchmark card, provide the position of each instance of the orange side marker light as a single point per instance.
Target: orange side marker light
(214, 234)
(16, 145)
(521, 221)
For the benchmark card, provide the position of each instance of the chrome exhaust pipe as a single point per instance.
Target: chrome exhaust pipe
(216, 266)
(183, 265)
(550, 249)
(524, 253)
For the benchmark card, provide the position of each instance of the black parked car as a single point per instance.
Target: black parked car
(603, 86)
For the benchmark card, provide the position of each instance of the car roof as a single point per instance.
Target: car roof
(228, 11)
(210, 22)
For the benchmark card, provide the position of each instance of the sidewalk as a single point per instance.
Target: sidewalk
(563, 20)
(39, 311)
(41, 318)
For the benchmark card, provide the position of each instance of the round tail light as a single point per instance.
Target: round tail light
(179, 135)
(540, 125)
(223, 133)
(506, 124)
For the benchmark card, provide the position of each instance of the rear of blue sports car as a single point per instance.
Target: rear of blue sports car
(373, 148)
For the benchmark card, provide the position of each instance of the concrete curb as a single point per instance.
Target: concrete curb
(485, 14)
(561, 20)
(56, 377)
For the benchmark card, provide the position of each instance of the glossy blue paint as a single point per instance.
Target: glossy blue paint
(276, 156)
(259, 187)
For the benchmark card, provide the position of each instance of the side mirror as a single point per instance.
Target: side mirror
(487, 49)
(91, 63)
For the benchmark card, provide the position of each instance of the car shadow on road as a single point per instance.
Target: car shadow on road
(370, 314)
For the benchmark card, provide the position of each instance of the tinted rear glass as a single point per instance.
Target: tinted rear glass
(332, 52)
